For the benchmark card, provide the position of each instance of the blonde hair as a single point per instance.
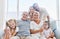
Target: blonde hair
(7, 23)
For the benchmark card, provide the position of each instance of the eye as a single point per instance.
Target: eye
(26, 15)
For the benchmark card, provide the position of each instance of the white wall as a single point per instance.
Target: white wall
(2, 3)
(49, 5)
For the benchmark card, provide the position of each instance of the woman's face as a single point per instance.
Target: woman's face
(35, 16)
(12, 24)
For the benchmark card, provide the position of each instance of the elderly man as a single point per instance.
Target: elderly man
(24, 27)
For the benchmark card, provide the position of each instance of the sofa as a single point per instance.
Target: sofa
(53, 26)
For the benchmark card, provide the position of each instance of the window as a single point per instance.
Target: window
(59, 13)
(59, 10)
(14, 8)
(50, 6)
(11, 9)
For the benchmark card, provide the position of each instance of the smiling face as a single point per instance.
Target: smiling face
(46, 25)
(12, 24)
(25, 16)
(36, 15)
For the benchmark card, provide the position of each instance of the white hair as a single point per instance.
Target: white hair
(25, 12)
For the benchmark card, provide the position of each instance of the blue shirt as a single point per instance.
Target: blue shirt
(24, 28)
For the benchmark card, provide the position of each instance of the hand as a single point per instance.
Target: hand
(41, 29)
(52, 34)
(6, 30)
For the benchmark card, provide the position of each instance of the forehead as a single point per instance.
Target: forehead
(11, 21)
(25, 13)
(35, 13)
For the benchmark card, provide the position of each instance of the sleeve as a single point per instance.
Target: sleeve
(31, 25)
(50, 30)
(17, 29)
(43, 13)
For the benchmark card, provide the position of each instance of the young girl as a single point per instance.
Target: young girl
(10, 30)
(48, 33)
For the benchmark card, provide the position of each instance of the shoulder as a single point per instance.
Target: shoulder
(18, 20)
(17, 29)
(50, 29)
(32, 22)
(43, 10)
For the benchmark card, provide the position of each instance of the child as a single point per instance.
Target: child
(10, 30)
(48, 33)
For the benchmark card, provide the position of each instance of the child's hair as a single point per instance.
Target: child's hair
(7, 23)
(48, 23)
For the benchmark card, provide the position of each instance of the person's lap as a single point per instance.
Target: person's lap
(37, 37)
(14, 37)
(21, 37)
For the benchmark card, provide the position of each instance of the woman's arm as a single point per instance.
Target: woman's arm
(36, 31)
(33, 31)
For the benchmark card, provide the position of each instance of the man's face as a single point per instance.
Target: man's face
(25, 16)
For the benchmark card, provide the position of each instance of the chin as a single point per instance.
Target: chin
(13, 27)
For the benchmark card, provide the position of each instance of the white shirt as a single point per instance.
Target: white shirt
(47, 32)
(35, 26)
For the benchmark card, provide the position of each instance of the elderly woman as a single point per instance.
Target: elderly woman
(36, 26)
